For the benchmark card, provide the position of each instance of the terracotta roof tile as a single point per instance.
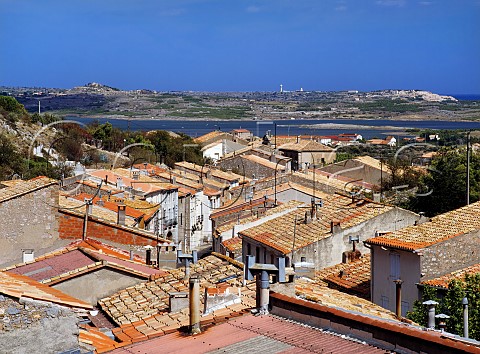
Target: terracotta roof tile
(151, 299)
(444, 280)
(311, 291)
(209, 136)
(81, 257)
(305, 145)
(278, 232)
(439, 228)
(25, 187)
(280, 208)
(241, 207)
(233, 244)
(254, 334)
(215, 172)
(352, 278)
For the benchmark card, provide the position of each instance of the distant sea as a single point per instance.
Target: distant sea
(465, 97)
(367, 128)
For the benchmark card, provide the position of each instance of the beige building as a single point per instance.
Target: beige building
(305, 153)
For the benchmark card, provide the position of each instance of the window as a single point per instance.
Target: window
(405, 308)
(394, 266)
(384, 301)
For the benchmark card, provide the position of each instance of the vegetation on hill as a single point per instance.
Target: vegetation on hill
(97, 144)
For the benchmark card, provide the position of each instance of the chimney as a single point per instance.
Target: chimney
(335, 226)
(27, 255)
(398, 290)
(148, 255)
(119, 182)
(89, 205)
(174, 179)
(100, 202)
(177, 301)
(298, 139)
(194, 294)
(431, 313)
(121, 214)
(313, 209)
(135, 175)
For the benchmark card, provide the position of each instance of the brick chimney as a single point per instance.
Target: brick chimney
(121, 214)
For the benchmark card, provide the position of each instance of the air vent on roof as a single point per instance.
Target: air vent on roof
(27, 255)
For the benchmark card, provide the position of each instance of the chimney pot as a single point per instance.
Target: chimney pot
(121, 214)
(194, 294)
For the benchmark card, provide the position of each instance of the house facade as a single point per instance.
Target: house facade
(415, 254)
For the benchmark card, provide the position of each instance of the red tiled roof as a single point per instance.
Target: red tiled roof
(129, 211)
(240, 207)
(278, 233)
(444, 280)
(352, 278)
(53, 266)
(233, 244)
(250, 333)
(439, 228)
(81, 257)
(305, 145)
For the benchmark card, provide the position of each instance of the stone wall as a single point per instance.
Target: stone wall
(451, 255)
(28, 222)
(36, 327)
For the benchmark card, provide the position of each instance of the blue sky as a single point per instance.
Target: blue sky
(228, 45)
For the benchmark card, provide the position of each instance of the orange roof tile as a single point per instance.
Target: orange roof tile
(209, 136)
(439, 228)
(233, 244)
(352, 278)
(278, 233)
(25, 187)
(148, 300)
(444, 280)
(305, 145)
(241, 207)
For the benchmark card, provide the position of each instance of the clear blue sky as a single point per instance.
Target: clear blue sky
(228, 45)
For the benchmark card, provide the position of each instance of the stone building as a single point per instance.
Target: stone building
(441, 245)
(28, 214)
(320, 234)
(307, 152)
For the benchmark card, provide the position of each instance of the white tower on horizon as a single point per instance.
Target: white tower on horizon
(281, 88)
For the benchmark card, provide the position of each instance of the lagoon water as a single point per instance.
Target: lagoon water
(367, 128)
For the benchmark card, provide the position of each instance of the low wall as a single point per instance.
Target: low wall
(398, 337)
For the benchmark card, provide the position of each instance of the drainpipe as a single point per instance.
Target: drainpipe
(431, 313)
(398, 288)
(194, 295)
(465, 317)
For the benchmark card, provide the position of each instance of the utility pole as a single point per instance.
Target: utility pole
(468, 168)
